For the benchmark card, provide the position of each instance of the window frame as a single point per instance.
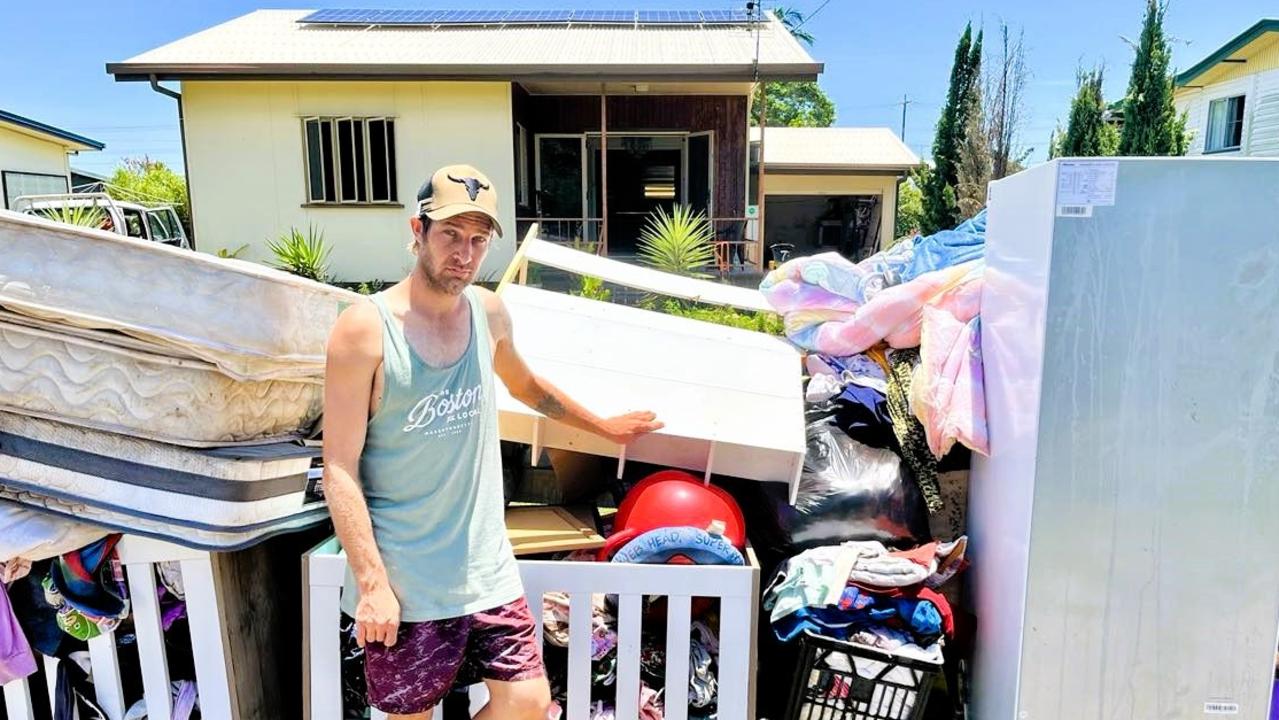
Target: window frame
(4, 184)
(522, 185)
(1242, 112)
(361, 157)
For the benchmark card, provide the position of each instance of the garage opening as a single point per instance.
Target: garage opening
(807, 224)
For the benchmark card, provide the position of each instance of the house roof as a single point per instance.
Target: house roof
(274, 44)
(27, 126)
(834, 148)
(1236, 44)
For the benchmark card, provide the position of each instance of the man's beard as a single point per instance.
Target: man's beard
(437, 280)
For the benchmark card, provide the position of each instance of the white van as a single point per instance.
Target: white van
(158, 223)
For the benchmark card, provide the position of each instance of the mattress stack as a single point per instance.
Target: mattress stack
(158, 391)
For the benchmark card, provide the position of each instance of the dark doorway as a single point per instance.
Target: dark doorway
(847, 224)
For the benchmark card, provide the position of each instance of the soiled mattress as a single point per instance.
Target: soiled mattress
(106, 381)
(214, 498)
(252, 322)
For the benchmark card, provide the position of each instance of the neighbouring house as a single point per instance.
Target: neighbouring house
(334, 118)
(1231, 97)
(85, 181)
(34, 157)
(832, 188)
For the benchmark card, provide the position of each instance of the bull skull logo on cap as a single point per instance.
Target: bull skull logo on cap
(473, 185)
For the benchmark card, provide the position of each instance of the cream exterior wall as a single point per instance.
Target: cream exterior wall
(20, 152)
(246, 163)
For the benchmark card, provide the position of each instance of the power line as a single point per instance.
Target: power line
(811, 15)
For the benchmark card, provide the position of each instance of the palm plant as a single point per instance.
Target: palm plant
(793, 20)
(305, 255)
(681, 242)
(79, 215)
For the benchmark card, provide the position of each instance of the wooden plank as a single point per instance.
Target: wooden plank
(679, 619)
(579, 656)
(51, 679)
(744, 392)
(324, 654)
(209, 643)
(736, 655)
(107, 687)
(629, 626)
(643, 278)
(534, 530)
(17, 701)
(150, 633)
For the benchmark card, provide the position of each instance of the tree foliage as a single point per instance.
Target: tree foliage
(941, 200)
(1087, 132)
(151, 181)
(910, 209)
(1151, 125)
(794, 104)
(1006, 77)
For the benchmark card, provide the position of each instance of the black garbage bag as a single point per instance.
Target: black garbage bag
(850, 491)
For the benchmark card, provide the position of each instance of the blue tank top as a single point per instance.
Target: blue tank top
(431, 471)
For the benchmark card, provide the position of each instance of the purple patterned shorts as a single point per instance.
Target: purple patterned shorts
(430, 658)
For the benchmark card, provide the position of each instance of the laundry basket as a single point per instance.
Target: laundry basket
(841, 681)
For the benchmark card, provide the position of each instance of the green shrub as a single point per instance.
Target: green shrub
(681, 243)
(759, 322)
(592, 288)
(305, 255)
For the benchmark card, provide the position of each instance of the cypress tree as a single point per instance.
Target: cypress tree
(1087, 123)
(1151, 125)
(941, 208)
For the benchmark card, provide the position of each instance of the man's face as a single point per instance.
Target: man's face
(451, 251)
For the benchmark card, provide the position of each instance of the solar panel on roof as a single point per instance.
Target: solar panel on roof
(603, 16)
(355, 16)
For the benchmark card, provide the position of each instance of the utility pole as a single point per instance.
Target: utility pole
(905, 101)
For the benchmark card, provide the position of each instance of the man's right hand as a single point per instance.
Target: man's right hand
(377, 617)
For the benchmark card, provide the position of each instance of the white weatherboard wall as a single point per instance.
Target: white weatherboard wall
(246, 160)
(1261, 112)
(20, 152)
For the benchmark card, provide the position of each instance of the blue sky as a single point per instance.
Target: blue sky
(874, 53)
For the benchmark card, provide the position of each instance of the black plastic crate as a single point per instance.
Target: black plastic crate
(840, 681)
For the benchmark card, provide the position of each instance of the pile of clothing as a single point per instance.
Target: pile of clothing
(864, 593)
(702, 661)
(61, 585)
(896, 343)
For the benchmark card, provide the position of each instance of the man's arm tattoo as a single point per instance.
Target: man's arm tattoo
(550, 406)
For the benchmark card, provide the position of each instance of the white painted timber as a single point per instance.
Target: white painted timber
(731, 399)
(643, 278)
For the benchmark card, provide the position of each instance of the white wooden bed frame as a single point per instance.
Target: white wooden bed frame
(737, 589)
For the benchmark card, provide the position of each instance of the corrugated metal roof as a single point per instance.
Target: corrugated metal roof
(269, 43)
(35, 127)
(835, 148)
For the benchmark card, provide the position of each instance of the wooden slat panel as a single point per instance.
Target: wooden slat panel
(17, 701)
(679, 618)
(51, 680)
(579, 656)
(629, 628)
(106, 675)
(325, 653)
(147, 625)
(207, 642)
(736, 652)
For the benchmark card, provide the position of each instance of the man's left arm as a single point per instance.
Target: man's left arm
(541, 395)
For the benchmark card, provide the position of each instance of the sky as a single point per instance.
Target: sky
(874, 53)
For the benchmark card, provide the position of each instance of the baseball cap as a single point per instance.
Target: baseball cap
(457, 189)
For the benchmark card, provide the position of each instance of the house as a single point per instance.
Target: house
(1231, 97)
(34, 157)
(831, 188)
(334, 118)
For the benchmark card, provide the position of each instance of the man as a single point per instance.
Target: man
(413, 472)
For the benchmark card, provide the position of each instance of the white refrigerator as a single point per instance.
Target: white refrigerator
(1125, 528)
